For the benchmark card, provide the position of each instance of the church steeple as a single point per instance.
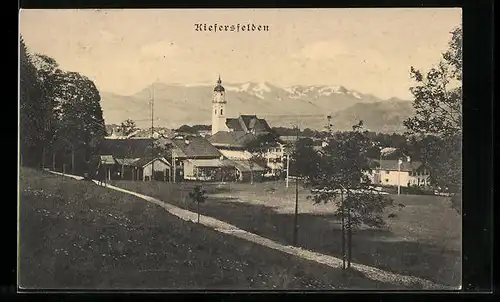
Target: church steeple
(218, 108)
(219, 87)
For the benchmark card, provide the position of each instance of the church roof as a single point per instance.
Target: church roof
(219, 87)
(234, 139)
(248, 123)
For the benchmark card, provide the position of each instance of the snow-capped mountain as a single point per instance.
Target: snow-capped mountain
(178, 104)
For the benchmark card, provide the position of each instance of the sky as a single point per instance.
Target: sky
(123, 51)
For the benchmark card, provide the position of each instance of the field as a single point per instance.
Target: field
(422, 240)
(74, 234)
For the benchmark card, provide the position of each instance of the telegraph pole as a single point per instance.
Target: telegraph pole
(287, 167)
(296, 217)
(152, 134)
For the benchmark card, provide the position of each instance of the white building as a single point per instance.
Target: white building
(405, 173)
(219, 108)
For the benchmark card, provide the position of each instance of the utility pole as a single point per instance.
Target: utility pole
(287, 168)
(399, 173)
(343, 226)
(152, 134)
(174, 167)
(296, 217)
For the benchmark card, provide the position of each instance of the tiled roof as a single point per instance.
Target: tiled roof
(211, 163)
(127, 161)
(196, 147)
(125, 148)
(236, 154)
(392, 165)
(235, 139)
(233, 124)
(248, 123)
(146, 160)
(244, 166)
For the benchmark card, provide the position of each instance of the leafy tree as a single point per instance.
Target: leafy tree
(34, 109)
(198, 196)
(304, 159)
(186, 129)
(438, 106)
(127, 127)
(259, 147)
(342, 178)
(77, 123)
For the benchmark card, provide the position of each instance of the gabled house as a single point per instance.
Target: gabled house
(235, 145)
(405, 173)
(131, 159)
(144, 166)
(192, 147)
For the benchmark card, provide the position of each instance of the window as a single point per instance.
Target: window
(221, 112)
(387, 180)
(215, 112)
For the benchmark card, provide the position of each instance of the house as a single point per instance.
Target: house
(218, 169)
(247, 171)
(191, 147)
(102, 164)
(405, 173)
(144, 166)
(130, 159)
(234, 145)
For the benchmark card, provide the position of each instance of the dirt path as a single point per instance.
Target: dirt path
(223, 227)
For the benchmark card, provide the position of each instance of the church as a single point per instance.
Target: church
(232, 136)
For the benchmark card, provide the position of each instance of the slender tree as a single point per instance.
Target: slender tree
(342, 178)
(304, 159)
(198, 196)
(259, 148)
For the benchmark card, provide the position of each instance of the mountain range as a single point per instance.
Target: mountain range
(178, 104)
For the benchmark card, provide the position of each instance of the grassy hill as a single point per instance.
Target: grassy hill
(74, 234)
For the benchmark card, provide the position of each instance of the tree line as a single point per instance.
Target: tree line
(61, 120)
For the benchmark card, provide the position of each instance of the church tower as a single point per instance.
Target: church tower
(219, 108)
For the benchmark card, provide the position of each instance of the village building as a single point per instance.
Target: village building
(191, 150)
(406, 173)
(131, 159)
(233, 136)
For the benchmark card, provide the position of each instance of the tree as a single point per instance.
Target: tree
(34, 110)
(438, 112)
(127, 127)
(198, 196)
(77, 123)
(259, 147)
(304, 159)
(342, 178)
